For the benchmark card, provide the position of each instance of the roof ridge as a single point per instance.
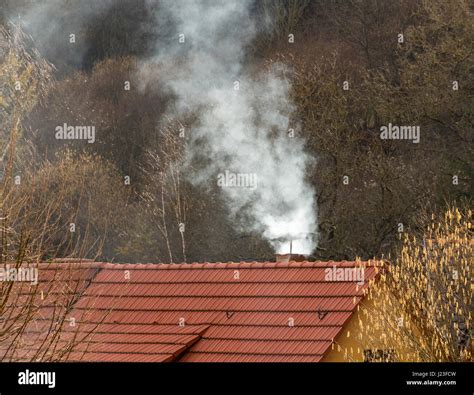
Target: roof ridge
(228, 265)
(89, 264)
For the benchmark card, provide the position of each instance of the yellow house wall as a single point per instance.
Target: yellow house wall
(336, 354)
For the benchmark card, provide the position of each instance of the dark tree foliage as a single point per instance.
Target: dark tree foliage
(392, 183)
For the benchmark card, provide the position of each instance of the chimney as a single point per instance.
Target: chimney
(291, 257)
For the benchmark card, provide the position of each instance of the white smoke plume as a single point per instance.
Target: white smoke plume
(244, 130)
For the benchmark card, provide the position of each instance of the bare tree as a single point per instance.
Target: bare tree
(166, 194)
(36, 299)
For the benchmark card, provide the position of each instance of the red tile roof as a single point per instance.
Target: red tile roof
(210, 311)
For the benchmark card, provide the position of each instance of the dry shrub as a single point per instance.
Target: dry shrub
(36, 218)
(422, 303)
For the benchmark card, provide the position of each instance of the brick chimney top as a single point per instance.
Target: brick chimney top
(290, 257)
